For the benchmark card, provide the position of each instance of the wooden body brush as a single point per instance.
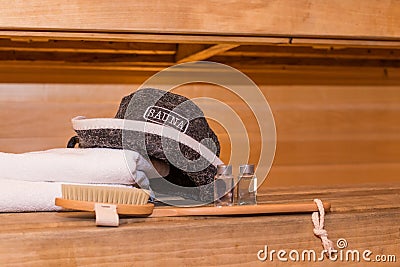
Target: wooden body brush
(108, 202)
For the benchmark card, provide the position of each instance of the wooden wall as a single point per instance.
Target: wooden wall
(333, 125)
(334, 18)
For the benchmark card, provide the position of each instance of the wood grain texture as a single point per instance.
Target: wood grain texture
(332, 174)
(365, 215)
(293, 18)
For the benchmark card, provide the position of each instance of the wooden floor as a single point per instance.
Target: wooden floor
(366, 216)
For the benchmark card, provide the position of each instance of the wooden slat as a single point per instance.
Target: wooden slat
(15, 72)
(187, 53)
(45, 36)
(341, 43)
(354, 151)
(22, 145)
(295, 18)
(119, 59)
(81, 46)
(312, 52)
(382, 69)
(243, 57)
(79, 73)
(306, 61)
(65, 93)
(49, 120)
(311, 151)
(332, 174)
(130, 67)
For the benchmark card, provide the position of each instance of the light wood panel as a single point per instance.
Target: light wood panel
(47, 120)
(331, 174)
(22, 145)
(80, 73)
(290, 17)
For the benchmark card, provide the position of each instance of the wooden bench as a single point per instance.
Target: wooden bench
(366, 216)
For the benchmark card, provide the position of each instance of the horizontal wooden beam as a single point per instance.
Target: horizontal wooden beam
(44, 36)
(263, 62)
(244, 60)
(307, 18)
(340, 43)
(84, 46)
(118, 59)
(50, 66)
(293, 51)
(57, 72)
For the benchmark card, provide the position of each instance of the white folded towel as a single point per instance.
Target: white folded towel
(90, 165)
(31, 181)
(24, 196)
(19, 196)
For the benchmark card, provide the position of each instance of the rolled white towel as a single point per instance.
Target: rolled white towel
(90, 165)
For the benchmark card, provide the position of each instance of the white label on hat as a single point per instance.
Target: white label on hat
(167, 117)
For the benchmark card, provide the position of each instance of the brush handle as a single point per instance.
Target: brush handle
(238, 210)
(147, 210)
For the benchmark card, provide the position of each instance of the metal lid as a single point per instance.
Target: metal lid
(246, 168)
(224, 169)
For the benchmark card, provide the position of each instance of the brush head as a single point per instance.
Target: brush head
(105, 194)
(130, 201)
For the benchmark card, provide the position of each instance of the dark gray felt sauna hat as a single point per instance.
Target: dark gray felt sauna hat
(164, 126)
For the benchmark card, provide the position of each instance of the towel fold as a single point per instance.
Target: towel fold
(94, 165)
(31, 181)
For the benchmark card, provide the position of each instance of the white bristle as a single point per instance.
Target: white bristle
(105, 194)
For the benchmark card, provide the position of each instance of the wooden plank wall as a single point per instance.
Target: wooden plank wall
(336, 18)
(333, 125)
